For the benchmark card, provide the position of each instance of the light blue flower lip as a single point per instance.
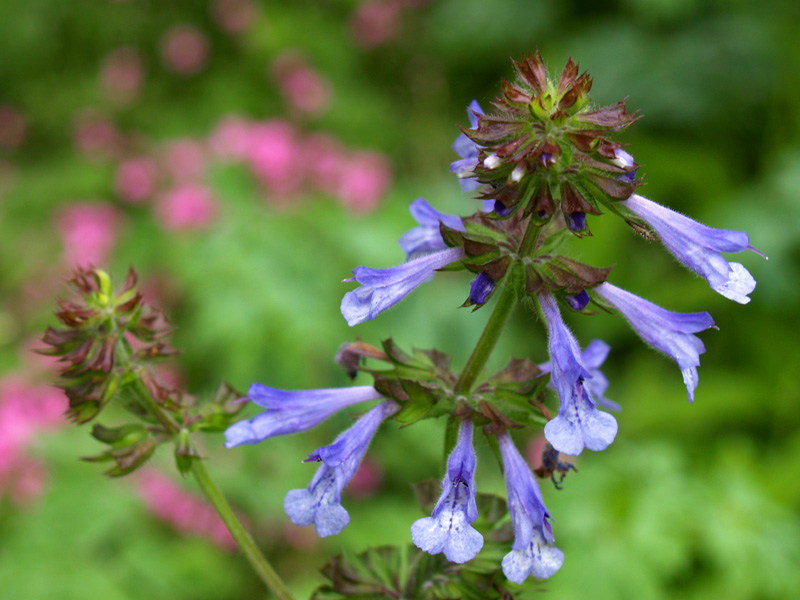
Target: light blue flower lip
(666, 331)
(448, 530)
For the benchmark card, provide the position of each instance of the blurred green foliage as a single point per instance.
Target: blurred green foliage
(699, 501)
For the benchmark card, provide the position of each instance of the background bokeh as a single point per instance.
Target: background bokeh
(245, 155)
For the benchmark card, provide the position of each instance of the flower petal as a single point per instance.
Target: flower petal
(383, 288)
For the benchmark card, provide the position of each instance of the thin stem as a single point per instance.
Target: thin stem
(239, 533)
(211, 490)
(506, 300)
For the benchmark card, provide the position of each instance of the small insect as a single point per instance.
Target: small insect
(551, 465)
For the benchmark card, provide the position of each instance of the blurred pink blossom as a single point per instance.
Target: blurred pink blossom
(186, 207)
(178, 508)
(88, 233)
(12, 127)
(533, 451)
(231, 138)
(122, 74)
(184, 50)
(233, 16)
(375, 22)
(275, 156)
(303, 89)
(366, 480)
(96, 136)
(136, 178)
(185, 160)
(325, 160)
(25, 409)
(364, 179)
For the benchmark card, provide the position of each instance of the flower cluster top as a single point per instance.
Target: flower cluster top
(541, 160)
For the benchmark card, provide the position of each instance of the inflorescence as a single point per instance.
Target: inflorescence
(541, 160)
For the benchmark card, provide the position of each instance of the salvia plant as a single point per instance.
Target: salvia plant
(542, 159)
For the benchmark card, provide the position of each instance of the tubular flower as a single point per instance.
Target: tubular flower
(669, 332)
(698, 247)
(593, 356)
(425, 238)
(290, 412)
(468, 151)
(320, 503)
(532, 552)
(383, 288)
(579, 423)
(449, 529)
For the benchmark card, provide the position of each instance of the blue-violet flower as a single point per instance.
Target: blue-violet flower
(383, 288)
(698, 247)
(669, 332)
(579, 423)
(292, 411)
(320, 503)
(425, 238)
(449, 528)
(468, 151)
(593, 356)
(532, 552)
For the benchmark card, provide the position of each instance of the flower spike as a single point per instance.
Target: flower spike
(320, 503)
(449, 529)
(383, 288)
(669, 332)
(698, 247)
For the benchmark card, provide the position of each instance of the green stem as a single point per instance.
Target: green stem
(239, 533)
(211, 490)
(507, 298)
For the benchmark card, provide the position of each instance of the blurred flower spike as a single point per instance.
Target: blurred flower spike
(109, 345)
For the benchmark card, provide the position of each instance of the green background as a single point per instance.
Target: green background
(699, 500)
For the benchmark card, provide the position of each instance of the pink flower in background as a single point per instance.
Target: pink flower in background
(303, 89)
(25, 409)
(375, 22)
(88, 233)
(186, 207)
(275, 157)
(12, 128)
(136, 179)
(325, 161)
(367, 480)
(533, 451)
(184, 50)
(233, 16)
(364, 179)
(178, 508)
(122, 74)
(96, 136)
(231, 138)
(185, 160)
